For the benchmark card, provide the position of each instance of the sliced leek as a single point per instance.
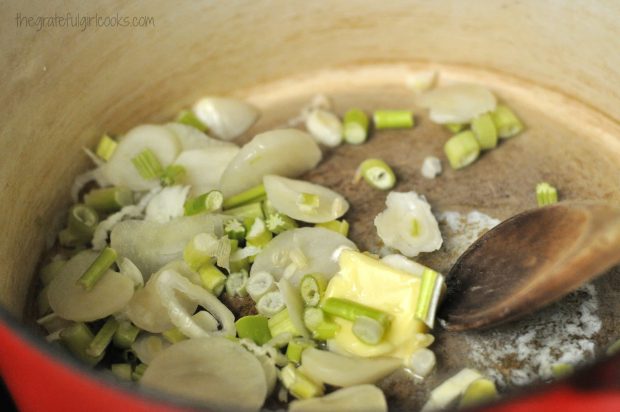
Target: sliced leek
(428, 300)
(462, 149)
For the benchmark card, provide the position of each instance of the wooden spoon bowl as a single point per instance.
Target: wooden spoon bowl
(530, 261)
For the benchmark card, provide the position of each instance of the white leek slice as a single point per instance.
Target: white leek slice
(167, 204)
(129, 269)
(170, 285)
(147, 311)
(206, 320)
(120, 170)
(226, 118)
(284, 194)
(408, 225)
(340, 370)
(286, 152)
(457, 103)
(100, 237)
(146, 347)
(71, 301)
(271, 374)
(191, 138)
(367, 398)
(204, 167)
(325, 127)
(150, 245)
(318, 245)
(214, 371)
(446, 393)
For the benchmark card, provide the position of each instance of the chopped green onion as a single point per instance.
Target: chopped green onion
(562, 370)
(255, 328)
(506, 122)
(122, 371)
(147, 165)
(428, 299)
(212, 278)
(281, 323)
(188, 117)
(239, 265)
(613, 348)
(484, 130)
(259, 284)
(477, 393)
(313, 317)
(172, 174)
(279, 222)
(125, 335)
(77, 339)
(422, 362)
(312, 287)
(308, 202)
(252, 195)
(338, 226)
(205, 203)
(355, 126)
(251, 210)
(350, 310)
(199, 251)
(109, 199)
(257, 233)
(270, 303)
(321, 327)
(546, 194)
(103, 338)
(299, 385)
(368, 330)
(106, 147)
(326, 330)
(393, 119)
(234, 229)
(83, 221)
(296, 346)
(49, 271)
(455, 127)
(377, 173)
(98, 268)
(138, 372)
(174, 335)
(462, 149)
(236, 283)
(268, 208)
(129, 356)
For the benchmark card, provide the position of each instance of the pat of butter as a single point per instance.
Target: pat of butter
(371, 282)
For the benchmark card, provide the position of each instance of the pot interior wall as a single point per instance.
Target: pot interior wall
(63, 87)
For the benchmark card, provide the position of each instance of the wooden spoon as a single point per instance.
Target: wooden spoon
(530, 261)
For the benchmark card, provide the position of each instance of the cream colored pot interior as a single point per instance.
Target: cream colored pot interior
(62, 87)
